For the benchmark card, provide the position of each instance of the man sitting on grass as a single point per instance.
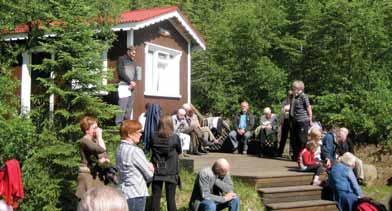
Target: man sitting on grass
(213, 189)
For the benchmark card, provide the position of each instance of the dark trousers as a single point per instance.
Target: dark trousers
(317, 168)
(170, 189)
(300, 136)
(283, 135)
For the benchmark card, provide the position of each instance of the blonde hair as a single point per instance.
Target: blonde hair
(103, 198)
(315, 134)
(299, 85)
(311, 146)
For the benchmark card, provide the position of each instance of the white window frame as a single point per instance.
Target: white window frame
(174, 64)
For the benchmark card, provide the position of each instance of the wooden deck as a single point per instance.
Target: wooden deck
(246, 166)
(279, 183)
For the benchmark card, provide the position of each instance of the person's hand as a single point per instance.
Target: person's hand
(269, 127)
(328, 164)
(229, 196)
(98, 133)
(132, 85)
(151, 167)
(241, 131)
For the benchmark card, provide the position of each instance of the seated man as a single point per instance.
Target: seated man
(182, 129)
(243, 124)
(344, 145)
(204, 134)
(268, 129)
(213, 189)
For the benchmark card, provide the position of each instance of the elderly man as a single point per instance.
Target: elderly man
(301, 117)
(213, 189)
(181, 127)
(344, 145)
(126, 70)
(204, 134)
(267, 130)
(243, 125)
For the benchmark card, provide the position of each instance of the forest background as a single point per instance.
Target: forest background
(341, 49)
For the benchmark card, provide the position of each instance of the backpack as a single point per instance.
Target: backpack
(369, 204)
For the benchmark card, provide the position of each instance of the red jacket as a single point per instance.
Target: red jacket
(306, 158)
(11, 187)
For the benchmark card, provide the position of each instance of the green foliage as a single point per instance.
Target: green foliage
(341, 50)
(46, 142)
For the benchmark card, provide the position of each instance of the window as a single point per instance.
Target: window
(162, 71)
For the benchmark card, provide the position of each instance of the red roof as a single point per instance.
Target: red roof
(144, 14)
(125, 17)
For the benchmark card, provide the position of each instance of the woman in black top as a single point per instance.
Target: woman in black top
(165, 146)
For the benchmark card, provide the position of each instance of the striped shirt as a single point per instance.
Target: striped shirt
(133, 170)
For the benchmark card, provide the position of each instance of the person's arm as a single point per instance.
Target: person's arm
(225, 184)
(251, 124)
(178, 144)
(92, 146)
(141, 163)
(307, 158)
(350, 146)
(274, 123)
(327, 149)
(121, 70)
(354, 183)
(308, 108)
(205, 189)
(236, 122)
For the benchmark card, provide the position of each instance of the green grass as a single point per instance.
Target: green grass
(380, 193)
(250, 200)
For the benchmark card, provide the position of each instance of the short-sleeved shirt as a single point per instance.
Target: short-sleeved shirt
(298, 110)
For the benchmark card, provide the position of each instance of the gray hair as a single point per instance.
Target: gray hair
(103, 199)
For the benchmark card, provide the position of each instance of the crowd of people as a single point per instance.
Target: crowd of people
(315, 150)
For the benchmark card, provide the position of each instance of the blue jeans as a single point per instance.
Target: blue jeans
(208, 205)
(136, 204)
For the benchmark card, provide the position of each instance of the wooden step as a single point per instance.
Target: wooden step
(283, 181)
(319, 205)
(290, 194)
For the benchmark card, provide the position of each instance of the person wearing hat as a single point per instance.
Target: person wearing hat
(127, 74)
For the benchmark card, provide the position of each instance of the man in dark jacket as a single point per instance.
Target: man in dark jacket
(244, 123)
(127, 74)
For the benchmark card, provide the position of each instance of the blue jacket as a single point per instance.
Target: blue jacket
(328, 147)
(342, 179)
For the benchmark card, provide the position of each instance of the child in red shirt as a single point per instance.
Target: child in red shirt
(307, 162)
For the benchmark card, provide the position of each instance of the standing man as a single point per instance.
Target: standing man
(301, 117)
(244, 123)
(213, 189)
(127, 74)
(285, 123)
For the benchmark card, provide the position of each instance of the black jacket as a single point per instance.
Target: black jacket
(165, 153)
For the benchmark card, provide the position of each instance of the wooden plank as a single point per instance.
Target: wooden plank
(290, 189)
(300, 204)
(293, 198)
